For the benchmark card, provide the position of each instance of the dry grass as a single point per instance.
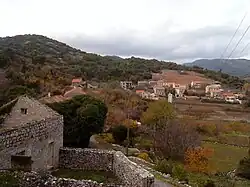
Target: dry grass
(214, 111)
(186, 78)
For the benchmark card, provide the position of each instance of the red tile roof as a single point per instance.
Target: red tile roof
(140, 91)
(76, 80)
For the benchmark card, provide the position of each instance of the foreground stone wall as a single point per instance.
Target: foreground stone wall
(39, 140)
(35, 180)
(129, 172)
(87, 159)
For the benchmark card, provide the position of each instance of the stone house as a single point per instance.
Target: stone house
(146, 94)
(142, 83)
(180, 89)
(159, 91)
(31, 135)
(78, 82)
(126, 85)
(213, 90)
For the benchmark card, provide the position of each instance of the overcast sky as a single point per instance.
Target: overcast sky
(176, 30)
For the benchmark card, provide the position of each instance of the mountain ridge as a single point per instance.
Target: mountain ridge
(236, 67)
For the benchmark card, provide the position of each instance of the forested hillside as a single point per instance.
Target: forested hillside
(36, 64)
(237, 67)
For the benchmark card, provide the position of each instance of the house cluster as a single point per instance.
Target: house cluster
(78, 87)
(216, 91)
(156, 89)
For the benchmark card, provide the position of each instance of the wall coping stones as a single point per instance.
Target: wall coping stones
(130, 173)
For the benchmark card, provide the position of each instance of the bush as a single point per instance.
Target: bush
(7, 179)
(107, 137)
(207, 129)
(164, 166)
(144, 156)
(144, 144)
(243, 169)
(119, 133)
(179, 172)
(197, 160)
(209, 183)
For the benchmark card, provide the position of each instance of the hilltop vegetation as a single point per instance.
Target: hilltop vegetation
(36, 64)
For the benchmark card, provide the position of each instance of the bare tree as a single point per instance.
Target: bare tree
(173, 140)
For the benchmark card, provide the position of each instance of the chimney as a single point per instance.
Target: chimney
(49, 95)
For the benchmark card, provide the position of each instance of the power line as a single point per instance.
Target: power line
(244, 48)
(238, 42)
(233, 35)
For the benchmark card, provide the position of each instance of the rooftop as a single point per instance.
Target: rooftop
(26, 110)
(77, 80)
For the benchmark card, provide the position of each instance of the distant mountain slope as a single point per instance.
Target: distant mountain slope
(237, 67)
(37, 64)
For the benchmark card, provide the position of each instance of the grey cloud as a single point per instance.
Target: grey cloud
(208, 42)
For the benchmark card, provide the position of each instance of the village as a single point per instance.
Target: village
(185, 86)
(161, 87)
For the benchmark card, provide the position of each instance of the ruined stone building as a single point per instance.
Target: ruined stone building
(31, 135)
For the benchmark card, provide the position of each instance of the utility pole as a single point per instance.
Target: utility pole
(130, 106)
(128, 138)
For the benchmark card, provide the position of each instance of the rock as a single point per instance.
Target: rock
(166, 176)
(133, 151)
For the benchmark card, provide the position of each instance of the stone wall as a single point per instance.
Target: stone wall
(87, 159)
(33, 179)
(129, 172)
(39, 139)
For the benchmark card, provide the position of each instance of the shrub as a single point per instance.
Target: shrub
(8, 180)
(197, 160)
(119, 133)
(179, 172)
(144, 156)
(209, 183)
(145, 144)
(108, 137)
(164, 166)
(243, 169)
(207, 129)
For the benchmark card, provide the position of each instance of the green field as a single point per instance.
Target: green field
(226, 158)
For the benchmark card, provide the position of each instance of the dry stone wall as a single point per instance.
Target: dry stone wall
(41, 140)
(33, 179)
(86, 159)
(129, 172)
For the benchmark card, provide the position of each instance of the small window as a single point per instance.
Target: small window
(24, 110)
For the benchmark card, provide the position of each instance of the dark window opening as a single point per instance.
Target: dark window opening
(24, 110)
(21, 153)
